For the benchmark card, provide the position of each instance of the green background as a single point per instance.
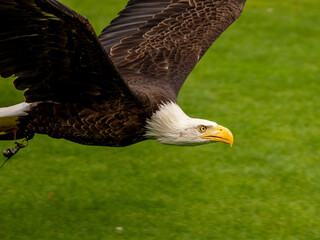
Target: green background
(260, 79)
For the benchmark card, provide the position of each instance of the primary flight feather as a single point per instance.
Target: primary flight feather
(115, 89)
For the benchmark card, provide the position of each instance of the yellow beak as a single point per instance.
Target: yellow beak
(219, 134)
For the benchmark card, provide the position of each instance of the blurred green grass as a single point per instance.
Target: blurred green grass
(261, 80)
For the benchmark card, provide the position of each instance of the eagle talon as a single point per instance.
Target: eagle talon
(10, 152)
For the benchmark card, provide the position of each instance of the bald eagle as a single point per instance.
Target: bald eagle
(115, 89)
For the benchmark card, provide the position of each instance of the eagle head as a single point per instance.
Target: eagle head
(170, 125)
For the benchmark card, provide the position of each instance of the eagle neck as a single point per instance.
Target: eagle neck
(166, 123)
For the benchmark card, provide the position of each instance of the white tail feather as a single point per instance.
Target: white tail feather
(10, 115)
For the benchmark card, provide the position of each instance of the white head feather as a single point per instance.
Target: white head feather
(170, 125)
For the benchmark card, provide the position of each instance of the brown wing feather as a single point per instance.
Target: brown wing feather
(55, 53)
(156, 44)
(135, 15)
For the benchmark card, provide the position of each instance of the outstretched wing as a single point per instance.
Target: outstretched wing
(55, 53)
(158, 42)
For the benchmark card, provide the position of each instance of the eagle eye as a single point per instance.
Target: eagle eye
(202, 128)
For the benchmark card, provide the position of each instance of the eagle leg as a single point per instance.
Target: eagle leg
(10, 152)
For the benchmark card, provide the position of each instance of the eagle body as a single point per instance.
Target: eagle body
(115, 89)
(110, 124)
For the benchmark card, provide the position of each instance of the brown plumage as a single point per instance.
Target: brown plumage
(102, 90)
